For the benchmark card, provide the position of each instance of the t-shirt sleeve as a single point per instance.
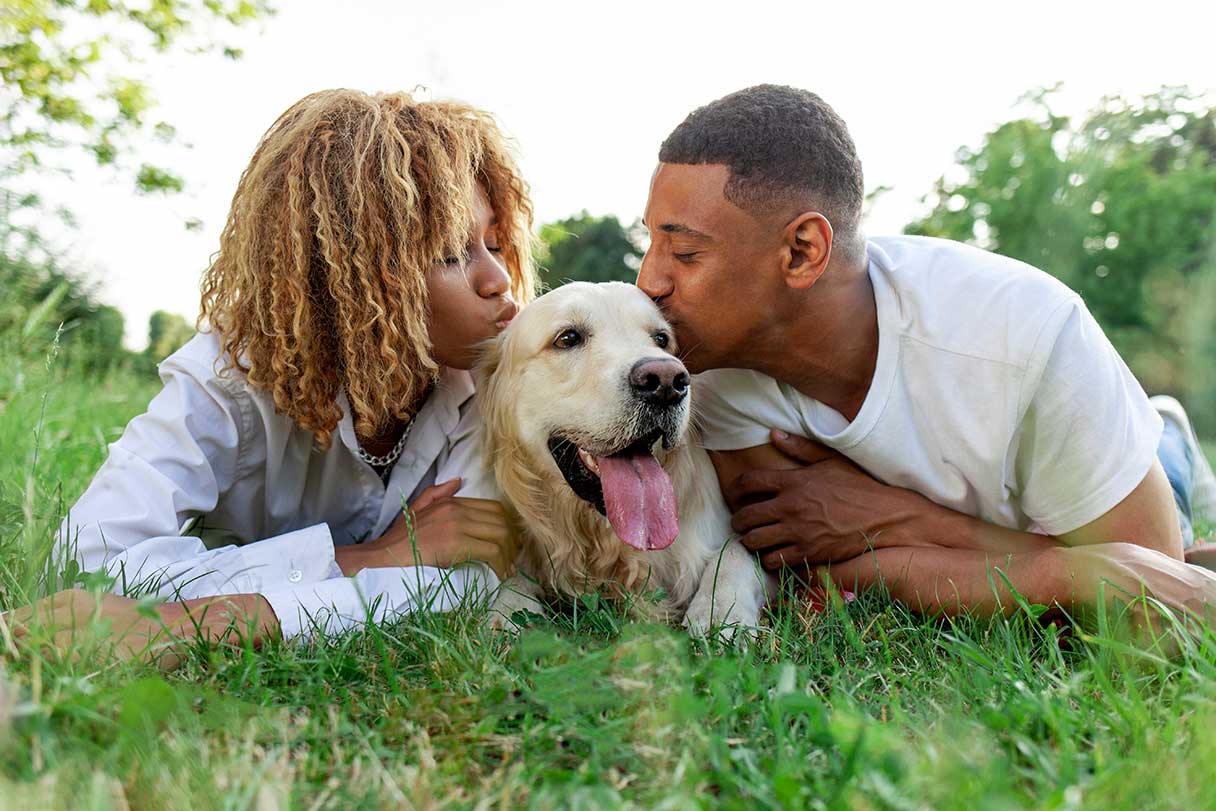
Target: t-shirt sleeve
(1088, 435)
(735, 408)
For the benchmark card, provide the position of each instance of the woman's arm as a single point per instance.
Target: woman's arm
(72, 621)
(171, 464)
(454, 548)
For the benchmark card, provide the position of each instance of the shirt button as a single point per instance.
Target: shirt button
(295, 576)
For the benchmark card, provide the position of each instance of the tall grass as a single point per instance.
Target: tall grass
(862, 707)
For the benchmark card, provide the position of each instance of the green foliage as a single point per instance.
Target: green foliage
(1121, 208)
(583, 248)
(66, 68)
(863, 707)
(167, 332)
(42, 303)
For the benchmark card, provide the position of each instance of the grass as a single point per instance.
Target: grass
(865, 706)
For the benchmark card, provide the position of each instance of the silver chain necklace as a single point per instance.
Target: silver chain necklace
(388, 459)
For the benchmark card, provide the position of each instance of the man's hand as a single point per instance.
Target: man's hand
(69, 621)
(828, 510)
(446, 531)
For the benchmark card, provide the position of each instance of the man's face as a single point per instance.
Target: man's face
(712, 267)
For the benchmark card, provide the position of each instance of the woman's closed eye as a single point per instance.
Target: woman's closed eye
(463, 259)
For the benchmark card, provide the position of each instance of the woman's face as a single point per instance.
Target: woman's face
(470, 295)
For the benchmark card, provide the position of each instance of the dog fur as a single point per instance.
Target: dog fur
(532, 390)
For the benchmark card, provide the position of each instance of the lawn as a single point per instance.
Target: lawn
(865, 706)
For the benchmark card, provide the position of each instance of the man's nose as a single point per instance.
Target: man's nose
(651, 280)
(659, 381)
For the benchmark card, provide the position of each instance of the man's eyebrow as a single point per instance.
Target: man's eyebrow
(681, 228)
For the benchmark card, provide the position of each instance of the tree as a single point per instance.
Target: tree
(167, 332)
(66, 67)
(40, 300)
(1121, 208)
(588, 249)
(67, 89)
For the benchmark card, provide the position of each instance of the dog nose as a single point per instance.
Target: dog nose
(659, 381)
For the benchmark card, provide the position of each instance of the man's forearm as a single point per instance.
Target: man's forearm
(952, 581)
(955, 531)
(949, 581)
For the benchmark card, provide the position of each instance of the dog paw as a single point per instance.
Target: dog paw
(732, 628)
(509, 605)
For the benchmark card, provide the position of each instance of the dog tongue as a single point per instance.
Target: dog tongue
(640, 500)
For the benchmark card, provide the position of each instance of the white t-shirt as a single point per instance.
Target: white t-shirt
(995, 394)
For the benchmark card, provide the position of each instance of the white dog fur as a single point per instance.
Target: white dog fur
(531, 390)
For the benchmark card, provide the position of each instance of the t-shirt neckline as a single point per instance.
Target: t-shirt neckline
(815, 413)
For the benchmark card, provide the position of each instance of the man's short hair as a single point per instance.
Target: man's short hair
(784, 147)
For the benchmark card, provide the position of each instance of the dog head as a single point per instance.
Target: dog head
(584, 389)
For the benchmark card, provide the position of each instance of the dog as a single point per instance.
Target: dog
(587, 415)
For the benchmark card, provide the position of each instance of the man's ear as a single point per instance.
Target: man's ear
(806, 249)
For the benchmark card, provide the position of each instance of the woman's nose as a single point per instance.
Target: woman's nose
(493, 278)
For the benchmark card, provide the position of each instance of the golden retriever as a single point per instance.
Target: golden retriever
(587, 413)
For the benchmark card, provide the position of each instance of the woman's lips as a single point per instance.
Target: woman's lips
(506, 315)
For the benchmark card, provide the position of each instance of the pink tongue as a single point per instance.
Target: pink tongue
(640, 500)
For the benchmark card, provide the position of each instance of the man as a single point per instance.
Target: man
(938, 411)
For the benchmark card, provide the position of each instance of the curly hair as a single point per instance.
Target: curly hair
(319, 285)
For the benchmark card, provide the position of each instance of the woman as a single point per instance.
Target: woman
(373, 242)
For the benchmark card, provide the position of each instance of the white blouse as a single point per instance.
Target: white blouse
(211, 491)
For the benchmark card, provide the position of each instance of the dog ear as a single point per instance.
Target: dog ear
(489, 358)
(488, 380)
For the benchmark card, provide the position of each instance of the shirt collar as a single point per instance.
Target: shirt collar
(452, 390)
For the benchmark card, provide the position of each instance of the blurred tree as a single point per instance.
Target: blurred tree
(587, 249)
(66, 67)
(39, 299)
(167, 332)
(1121, 208)
(70, 87)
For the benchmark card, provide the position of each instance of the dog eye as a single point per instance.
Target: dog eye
(568, 339)
(661, 340)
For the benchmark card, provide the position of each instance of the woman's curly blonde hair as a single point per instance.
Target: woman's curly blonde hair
(319, 285)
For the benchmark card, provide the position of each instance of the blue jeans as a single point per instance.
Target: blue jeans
(1179, 464)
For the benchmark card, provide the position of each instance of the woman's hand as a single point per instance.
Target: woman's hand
(447, 531)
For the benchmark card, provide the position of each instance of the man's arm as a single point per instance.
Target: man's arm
(798, 498)
(954, 581)
(819, 509)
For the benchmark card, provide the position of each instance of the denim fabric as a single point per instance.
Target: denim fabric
(1179, 464)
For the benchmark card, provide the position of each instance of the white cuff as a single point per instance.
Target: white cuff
(374, 595)
(289, 560)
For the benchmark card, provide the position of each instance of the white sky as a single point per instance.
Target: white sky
(590, 90)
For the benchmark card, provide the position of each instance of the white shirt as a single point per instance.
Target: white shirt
(995, 393)
(212, 448)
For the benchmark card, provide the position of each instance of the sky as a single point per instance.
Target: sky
(589, 91)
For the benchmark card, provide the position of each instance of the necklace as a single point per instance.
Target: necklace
(388, 459)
